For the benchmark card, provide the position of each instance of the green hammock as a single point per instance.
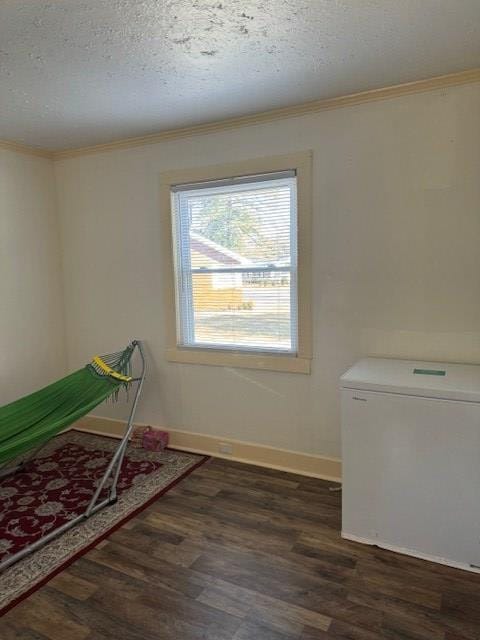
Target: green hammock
(31, 421)
(27, 424)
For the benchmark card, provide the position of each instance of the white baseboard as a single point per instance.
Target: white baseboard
(249, 452)
(410, 552)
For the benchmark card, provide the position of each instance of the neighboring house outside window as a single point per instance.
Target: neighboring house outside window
(240, 259)
(217, 291)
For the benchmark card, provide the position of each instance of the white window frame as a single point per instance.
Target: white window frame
(297, 361)
(184, 270)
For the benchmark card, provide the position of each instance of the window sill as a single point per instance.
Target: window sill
(288, 364)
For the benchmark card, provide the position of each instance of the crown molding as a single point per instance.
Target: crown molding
(371, 95)
(418, 86)
(25, 149)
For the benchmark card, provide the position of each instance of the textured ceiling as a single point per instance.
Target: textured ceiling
(80, 72)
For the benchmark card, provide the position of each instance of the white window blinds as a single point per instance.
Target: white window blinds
(235, 247)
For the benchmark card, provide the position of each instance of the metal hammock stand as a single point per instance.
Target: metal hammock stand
(112, 472)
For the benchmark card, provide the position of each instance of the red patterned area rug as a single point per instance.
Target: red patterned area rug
(56, 486)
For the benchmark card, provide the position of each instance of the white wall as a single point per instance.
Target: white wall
(396, 259)
(32, 341)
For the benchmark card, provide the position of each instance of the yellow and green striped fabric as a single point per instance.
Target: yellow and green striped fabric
(29, 422)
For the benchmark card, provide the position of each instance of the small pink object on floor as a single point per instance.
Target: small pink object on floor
(154, 439)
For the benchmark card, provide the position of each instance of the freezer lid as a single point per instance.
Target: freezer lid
(411, 377)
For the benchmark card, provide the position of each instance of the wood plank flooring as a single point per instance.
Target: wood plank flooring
(237, 552)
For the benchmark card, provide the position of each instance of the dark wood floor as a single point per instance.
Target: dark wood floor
(246, 553)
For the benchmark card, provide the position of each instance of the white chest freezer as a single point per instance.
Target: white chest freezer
(411, 458)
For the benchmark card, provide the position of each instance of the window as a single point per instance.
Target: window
(235, 257)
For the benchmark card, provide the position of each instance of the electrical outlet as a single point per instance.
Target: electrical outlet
(225, 448)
